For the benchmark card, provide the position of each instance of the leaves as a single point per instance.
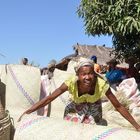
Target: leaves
(121, 18)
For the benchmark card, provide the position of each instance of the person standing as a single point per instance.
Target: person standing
(97, 67)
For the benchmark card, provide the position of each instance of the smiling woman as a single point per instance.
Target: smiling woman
(86, 90)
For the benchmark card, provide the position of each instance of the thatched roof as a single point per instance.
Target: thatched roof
(103, 53)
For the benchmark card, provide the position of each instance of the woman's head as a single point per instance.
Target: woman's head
(85, 71)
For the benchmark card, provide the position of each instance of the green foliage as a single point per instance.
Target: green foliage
(119, 18)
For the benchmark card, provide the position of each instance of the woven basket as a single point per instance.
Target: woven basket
(5, 127)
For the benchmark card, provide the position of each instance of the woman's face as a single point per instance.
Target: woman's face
(86, 75)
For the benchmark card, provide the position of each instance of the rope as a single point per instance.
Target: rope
(19, 86)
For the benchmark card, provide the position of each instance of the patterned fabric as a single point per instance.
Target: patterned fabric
(86, 108)
(89, 113)
(100, 90)
(83, 62)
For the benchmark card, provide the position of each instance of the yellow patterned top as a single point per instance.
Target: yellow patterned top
(100, 90)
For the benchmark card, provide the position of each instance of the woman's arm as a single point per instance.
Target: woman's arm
(122, 110)
(45, 101)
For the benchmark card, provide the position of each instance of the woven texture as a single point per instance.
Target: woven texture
(5, 128)
(2, 111)
(58, 105)
(22, 88)
(41, 128)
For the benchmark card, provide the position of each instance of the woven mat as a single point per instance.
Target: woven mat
(58, 105)
(34, 127)
(22, 88)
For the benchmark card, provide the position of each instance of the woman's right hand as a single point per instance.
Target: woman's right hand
(26, 112)
(21, 117)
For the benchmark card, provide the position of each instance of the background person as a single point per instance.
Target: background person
(114, 75)
(24, 61)
(97, 67)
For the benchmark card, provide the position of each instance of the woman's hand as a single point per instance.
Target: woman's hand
(21, 117)
(26, 112)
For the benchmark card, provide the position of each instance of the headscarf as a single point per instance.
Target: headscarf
(83, 62)
(87, 62)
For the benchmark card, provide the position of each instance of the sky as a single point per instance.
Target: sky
(42, 30)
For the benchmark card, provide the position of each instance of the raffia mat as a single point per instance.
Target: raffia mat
(58, 105)
(71, 66)
(22, 89)
(42, 128)
(113, 117)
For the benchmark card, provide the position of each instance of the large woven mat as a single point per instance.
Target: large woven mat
(41, 128)
(22, 88)
(58, 105)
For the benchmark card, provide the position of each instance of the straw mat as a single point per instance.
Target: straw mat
(58, 105)
(22, 88)
(41, 128)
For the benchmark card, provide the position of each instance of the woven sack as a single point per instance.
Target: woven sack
(42, 128)
(22, 88)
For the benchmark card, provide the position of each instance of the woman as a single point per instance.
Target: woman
(86, 90)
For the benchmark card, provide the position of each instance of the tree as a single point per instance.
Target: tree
(119, 18)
